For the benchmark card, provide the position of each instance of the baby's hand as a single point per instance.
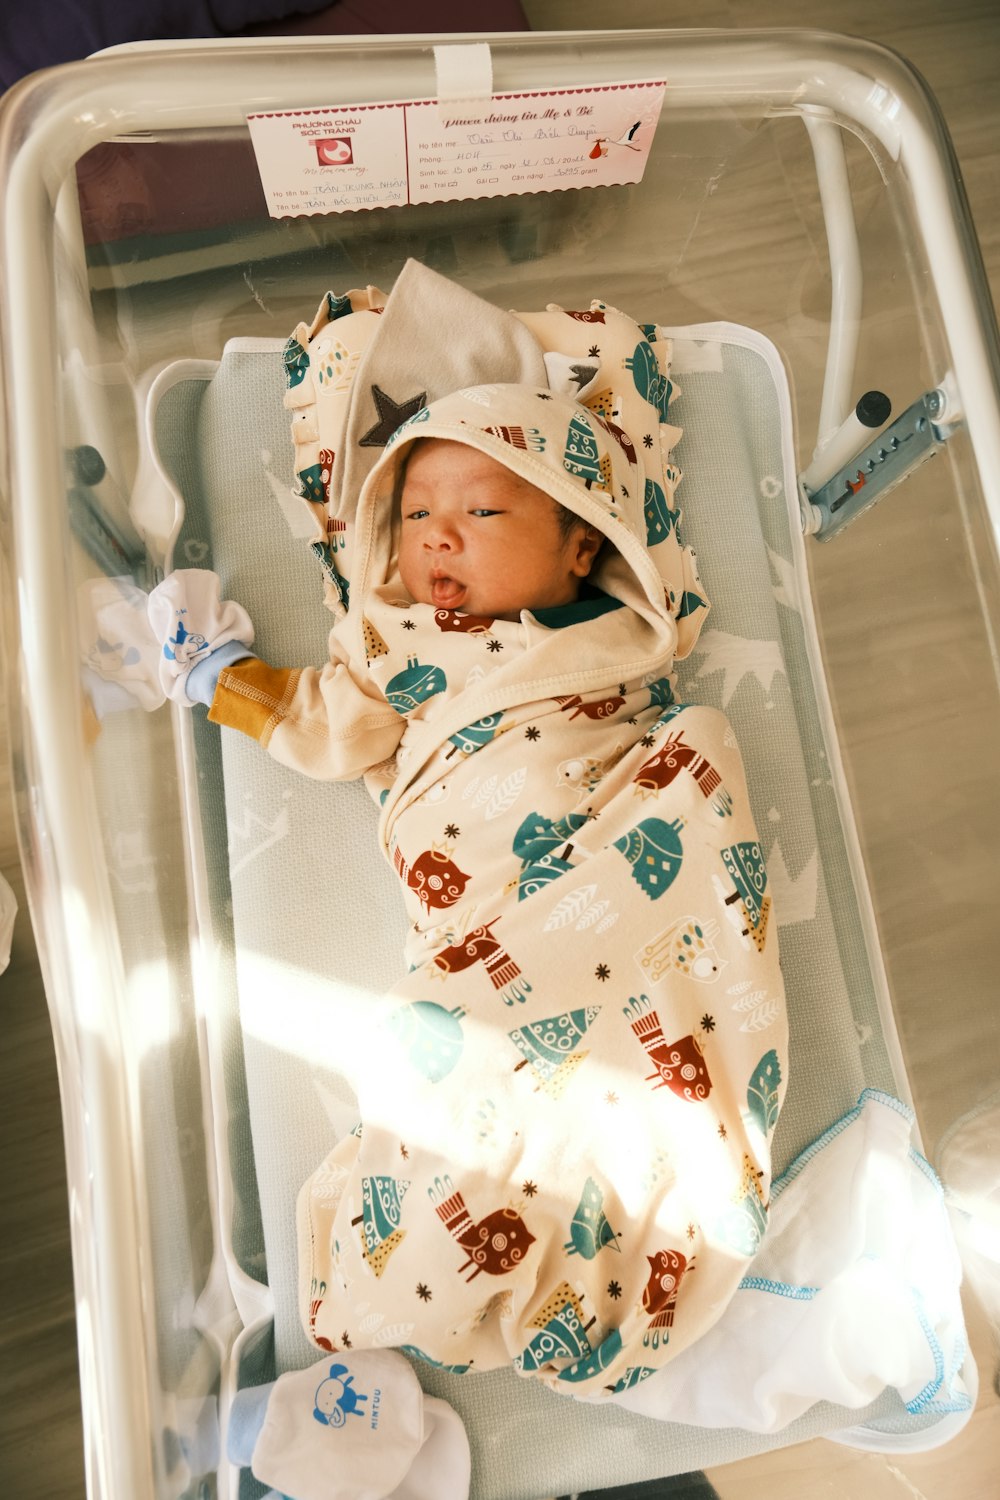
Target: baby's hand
(191, 622)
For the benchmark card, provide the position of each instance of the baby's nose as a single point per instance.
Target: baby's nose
(441, 537)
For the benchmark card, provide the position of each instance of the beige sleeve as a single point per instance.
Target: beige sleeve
(319, 721)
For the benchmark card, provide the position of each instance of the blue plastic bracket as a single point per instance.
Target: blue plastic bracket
(887, 460)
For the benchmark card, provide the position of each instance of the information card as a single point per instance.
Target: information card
(332, 159)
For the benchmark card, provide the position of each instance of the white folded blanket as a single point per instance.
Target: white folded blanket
(855, 1288)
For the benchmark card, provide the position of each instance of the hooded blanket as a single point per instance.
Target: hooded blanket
(563, 1160)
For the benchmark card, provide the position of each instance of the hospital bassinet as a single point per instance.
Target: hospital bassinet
(177, 878)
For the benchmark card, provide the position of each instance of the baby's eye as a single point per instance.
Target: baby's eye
(415, 515)
(483, 510)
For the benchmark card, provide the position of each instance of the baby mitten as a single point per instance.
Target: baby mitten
(191, 622)
(355, 1426)
(117, 647)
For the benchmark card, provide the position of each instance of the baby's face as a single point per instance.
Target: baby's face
(476, 537)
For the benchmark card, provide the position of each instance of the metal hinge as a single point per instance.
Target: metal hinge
(921, 431)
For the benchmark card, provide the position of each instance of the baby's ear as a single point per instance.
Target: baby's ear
(589, 543)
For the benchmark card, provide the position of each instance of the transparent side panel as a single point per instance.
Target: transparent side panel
(162, 250)
(907, 599)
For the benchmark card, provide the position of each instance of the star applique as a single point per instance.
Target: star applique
(391, 414)
(583, 374)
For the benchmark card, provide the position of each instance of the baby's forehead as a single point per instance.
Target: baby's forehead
(433, 459)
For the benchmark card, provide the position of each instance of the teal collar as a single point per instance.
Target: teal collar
(592, 603)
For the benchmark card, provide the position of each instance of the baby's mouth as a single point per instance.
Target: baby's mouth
(447, 593)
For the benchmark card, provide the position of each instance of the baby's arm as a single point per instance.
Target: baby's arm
(326, 722)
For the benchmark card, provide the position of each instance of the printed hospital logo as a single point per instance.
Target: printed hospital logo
(334, 151)
(337, 1399)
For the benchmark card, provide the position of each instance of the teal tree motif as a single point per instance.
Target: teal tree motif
(296, 362)
(546, 1044)
(563, 1337)
(649, 381)
(590, 1230)
(337, 581)
(474, 736)
(582, 456)
(653, 848)
(414, 685)
(431, 1037)
(660, 519)
(762, 1093)
(543, 845)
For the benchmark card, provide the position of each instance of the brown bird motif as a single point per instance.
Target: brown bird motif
(496, 1245)
(680, 1065)
(482, 947)
(453, 620)
(660, 770)
(667, 1269)
(601, 708)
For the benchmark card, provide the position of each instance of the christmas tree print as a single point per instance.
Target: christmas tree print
(590, 1231)
(414, 685)
(554, 1303)
(601, 403)
(742, 1226)
(762, 1093)
(382, 1199)
(311, 486)
(596, 1361)
(649, 381)
(582, 456)
(529, 439)
(745, 866)
(653, 849)
(660, 519)
(431, 1037)
(661, 693)
(374, 642)
(563, 1337)
(474, 736)
(548, 1047)
(543, 846)
(690, 604)
(338, 305)
(336, 580)
(296, 362)
(634, 1375)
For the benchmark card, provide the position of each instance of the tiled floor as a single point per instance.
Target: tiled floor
(957, 48)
